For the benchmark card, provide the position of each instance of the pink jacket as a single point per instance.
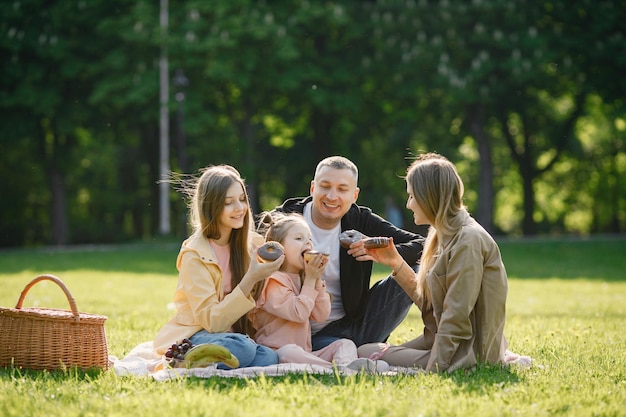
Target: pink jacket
(283, 311)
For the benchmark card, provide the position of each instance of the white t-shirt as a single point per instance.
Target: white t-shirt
(327, 241)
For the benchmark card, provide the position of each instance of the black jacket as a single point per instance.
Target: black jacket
(355, 275)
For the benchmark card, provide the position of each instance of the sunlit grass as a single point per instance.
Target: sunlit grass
(566, 310)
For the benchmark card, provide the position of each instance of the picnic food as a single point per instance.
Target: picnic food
(206, 354)
(186, 355)
(375, 242)
(177, 350)
(348, 237)
(270, 251)
(310, 254)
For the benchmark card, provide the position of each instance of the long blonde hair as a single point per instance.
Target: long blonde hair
(438, 190)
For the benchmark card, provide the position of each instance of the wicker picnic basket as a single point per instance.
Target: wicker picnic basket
(46, 338)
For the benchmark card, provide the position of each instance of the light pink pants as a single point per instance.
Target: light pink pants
(340, 352)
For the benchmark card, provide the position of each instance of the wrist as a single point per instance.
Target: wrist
(309, 280)
(396, 269)
(245, 287)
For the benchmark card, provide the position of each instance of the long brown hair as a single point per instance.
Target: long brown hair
(438, 190)
(208, 196)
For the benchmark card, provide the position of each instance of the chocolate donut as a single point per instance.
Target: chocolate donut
(376, 242)
(348, 237)
(270, 251)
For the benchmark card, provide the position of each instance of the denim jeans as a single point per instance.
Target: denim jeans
(243, 347)
(388, 305)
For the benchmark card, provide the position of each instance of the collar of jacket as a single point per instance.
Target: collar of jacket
(348, 221)
(200, 244)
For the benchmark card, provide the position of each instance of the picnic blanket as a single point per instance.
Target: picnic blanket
(142, 361)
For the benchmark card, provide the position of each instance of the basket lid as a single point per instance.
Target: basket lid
(52, 314)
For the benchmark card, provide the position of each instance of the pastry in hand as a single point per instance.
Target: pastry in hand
(270, 251)
(348, 237)
(375, 242)
(312, 253)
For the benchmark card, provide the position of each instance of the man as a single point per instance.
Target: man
(358, 312)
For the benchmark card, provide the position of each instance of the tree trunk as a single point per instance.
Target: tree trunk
(615, 197)
(59, 206)
(56, 183)
(484, 216)
(321, 124)
(527, 171)
(149, 208)
(250, 173)
(529, 227)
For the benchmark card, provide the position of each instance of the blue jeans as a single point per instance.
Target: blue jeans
(243, 347)
(388, 305)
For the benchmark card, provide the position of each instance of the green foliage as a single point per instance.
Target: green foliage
(532, 92)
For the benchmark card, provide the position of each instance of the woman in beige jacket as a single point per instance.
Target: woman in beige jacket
(461, 286)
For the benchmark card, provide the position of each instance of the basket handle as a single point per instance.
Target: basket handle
(60, 283)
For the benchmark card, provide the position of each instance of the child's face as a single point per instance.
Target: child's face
(235, 209)
(296, 243)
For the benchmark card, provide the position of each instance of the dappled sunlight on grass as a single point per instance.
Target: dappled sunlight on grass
(571, 324)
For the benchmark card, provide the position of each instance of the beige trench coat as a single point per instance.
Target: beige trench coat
(464, 323)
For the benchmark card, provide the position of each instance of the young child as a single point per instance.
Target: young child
(293, 296)
(218, 278)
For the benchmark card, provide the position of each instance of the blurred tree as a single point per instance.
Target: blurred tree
(46, 81)
(276, 87)
(498, 66)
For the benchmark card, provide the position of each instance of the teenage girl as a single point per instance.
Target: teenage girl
(218, 280)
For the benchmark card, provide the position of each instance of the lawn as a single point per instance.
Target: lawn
(566, 309)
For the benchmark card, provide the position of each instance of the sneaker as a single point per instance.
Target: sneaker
(368, 365)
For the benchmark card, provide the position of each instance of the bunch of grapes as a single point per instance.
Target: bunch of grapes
(178, 350)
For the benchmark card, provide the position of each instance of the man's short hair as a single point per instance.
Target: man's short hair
(338, 162)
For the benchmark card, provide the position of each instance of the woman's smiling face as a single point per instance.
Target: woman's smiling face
(235, 209)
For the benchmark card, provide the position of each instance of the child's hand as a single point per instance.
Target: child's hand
(314, 267)
(320, 283)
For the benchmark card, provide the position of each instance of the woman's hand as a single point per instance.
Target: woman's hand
(388, 255)
(258, 271)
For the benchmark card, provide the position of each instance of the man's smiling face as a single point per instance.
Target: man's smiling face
(333, 191)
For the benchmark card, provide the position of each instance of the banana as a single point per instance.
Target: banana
(203, 355)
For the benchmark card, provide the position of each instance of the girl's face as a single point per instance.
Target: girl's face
(297, 241)
(418, 214)
(235, 209)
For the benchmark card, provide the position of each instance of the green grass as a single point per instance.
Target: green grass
(566, 309)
